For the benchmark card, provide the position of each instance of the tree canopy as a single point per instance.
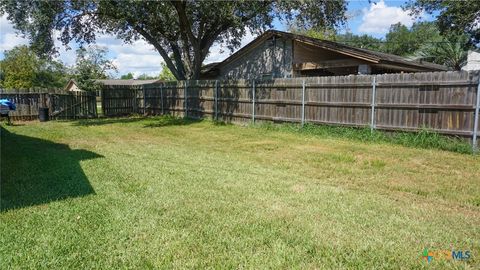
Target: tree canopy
(422, 41)
(23, 69)
(186, 30)
(92, 64)
(145, 76)
(404, 41)
(127, 76)
(459, 17)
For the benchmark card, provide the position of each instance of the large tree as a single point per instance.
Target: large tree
(23, 69)
(404, 41)
(186, 30)
(457, 16)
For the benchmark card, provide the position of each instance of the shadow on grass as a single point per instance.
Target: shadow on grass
(168, 120)
(107, 121)
(150, 121)
(36, 171)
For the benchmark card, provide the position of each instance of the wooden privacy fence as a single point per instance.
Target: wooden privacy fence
(446, 102)
(66, 105)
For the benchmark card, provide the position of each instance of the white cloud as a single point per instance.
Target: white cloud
(8, 37)
(139, 57)
(378, 18)
(138, 63)
(219, 53)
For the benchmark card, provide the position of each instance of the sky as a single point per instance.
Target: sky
(372, 18)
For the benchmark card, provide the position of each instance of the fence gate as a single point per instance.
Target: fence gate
(72, 105)
(119, 100)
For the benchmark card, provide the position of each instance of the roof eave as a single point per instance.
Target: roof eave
(416, 66)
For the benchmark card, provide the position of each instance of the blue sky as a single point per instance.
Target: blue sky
(364, 18)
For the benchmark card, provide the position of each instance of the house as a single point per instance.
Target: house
(73, 86)
(277, 54)
(473, 61)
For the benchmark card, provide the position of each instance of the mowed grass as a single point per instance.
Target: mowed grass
(167, 193)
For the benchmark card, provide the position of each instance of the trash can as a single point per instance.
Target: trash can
(43, 114)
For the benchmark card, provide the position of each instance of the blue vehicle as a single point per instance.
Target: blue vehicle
(5, 107)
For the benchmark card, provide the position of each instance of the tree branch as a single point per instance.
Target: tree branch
(162, 52)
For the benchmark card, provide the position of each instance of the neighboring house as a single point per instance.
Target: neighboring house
(72, 84)
(473, 61)
(277, 54)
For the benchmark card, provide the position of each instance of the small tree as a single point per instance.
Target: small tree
(451, 52)
(92, 64)
(166, 74)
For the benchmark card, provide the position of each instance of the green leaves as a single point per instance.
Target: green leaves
(166, 74)
(422, 41)
(454, 17)
(451, 51)
(181, 31)
(92, 64)
(23, 69)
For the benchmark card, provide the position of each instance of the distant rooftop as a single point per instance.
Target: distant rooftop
(126, 82)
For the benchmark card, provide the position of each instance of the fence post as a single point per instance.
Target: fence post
(216, 100)
(303, 102)
(49, 103)
(135, 105)
(185, 99)
(102, 101)
(74, 108)
(144, 100)
(93, 103)
(475, 124)
(253, 101)
(161, 98)
(374, 90)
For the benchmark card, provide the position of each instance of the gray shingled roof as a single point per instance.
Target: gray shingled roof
(126, 82)
(374, 56)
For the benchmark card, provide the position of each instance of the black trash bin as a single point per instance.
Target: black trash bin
(43, 114)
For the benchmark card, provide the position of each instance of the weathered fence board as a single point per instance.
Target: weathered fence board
(62, 105)
(440, 101)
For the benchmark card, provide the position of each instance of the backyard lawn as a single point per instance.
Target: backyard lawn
(166, 193)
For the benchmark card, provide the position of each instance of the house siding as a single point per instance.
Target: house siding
(273, 57)
(473, 61)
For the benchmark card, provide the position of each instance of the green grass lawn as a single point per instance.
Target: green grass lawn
(165, 193)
